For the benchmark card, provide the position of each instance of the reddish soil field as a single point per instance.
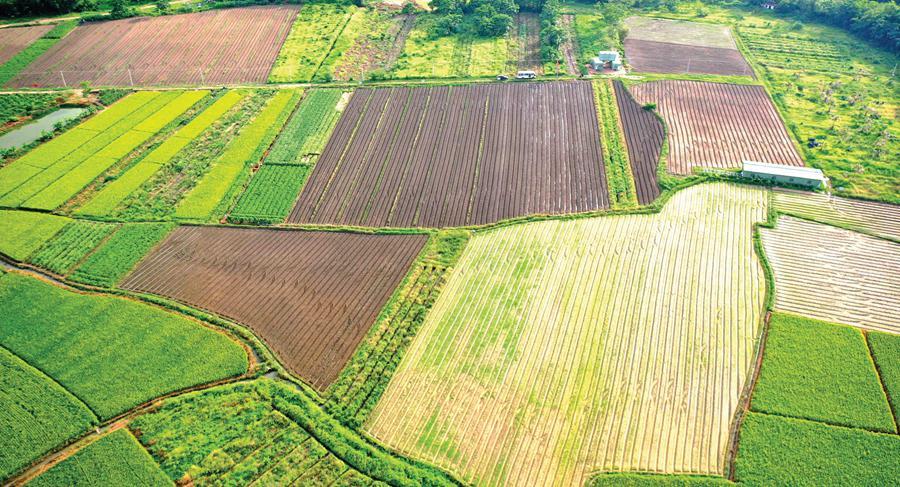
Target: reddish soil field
(216, 47)
(458, 155)
(312, 296)
(14, 39)
(644, 136)
(718, 125)
(665, 57)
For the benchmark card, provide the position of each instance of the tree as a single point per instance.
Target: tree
(162, 6)
(118, 9)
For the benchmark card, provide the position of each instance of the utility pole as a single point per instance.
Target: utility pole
(61, 75)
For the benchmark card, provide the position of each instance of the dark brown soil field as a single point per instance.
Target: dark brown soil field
(312, 296)
(14, 39)
(718, 125)
(236, 45)
(644, 136)
(664, 57)
(458, 155)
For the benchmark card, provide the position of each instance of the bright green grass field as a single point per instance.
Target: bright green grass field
(819, 371)
(115, 459)
(24, 232)
(36, 414)
(110, 352)
(783, 451)
(109, 264)
(886, 352)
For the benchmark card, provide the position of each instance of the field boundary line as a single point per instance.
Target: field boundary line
(884, 389)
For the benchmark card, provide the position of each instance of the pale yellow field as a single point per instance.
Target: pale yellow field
(834, 275)
(880, 219)
(560, 348)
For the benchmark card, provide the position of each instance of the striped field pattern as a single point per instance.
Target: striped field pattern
(560, 348)
(871, 217)
(834, 275)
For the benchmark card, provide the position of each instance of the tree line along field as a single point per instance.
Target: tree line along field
(451, 156)
(233, 46)
(548, 355)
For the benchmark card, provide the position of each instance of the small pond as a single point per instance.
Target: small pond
(32, 131)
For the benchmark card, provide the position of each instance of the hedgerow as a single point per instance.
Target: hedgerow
(120, 253)
(822, 372)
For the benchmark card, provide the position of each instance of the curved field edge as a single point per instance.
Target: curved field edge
(439, 439)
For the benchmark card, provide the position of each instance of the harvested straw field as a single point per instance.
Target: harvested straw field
(677, 46)
(871, 217)
(644, 136)
(215, 47)
(458, 155)
(14, 39)
(560, 348)
(833, 274)
(717, 125)
(311, 296)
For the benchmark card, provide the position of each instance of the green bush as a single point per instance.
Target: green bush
(822, 372)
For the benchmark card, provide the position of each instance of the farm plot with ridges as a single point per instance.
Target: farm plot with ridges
(677, 46)
(118, 255)
(111, 353)
(834, 275)
(718, 125)
(222, 182)
(36, 413)
(870, 217)
(450, 155)
(561, 348)
(167, 50)
(71, 245)
(644, 137)
(14, 39)
(312, 296)
(620, 182)
(105, 201)
(312, 36)
(115, 459)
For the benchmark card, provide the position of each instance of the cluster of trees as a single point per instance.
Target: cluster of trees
(33, 8)
(877, 21)
(489, 17)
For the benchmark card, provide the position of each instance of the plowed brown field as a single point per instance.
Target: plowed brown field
(458, 155)
(312, 296)
(218, 46)
(14, 39)
(644, 135)
(718, 125)
(667, 57)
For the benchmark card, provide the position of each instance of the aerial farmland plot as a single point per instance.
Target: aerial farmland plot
(14, 39)
(452, 156)
(677, 46)
(311, 295)
(718, 125)
(214, 47)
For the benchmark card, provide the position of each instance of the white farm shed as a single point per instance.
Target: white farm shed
(808, 177)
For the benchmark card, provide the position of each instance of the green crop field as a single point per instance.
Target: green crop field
(111, 353)
(25, 232)
(885, 352)
(36, 413)
(120, 253)
(822, 372)
(71, 245)
(314, 33)
(115, 459)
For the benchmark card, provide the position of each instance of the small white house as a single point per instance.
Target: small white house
(607, 59)
(808, 177)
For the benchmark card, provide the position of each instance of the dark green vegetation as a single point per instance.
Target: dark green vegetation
(115, 459)
(271, 194)
(36, 414)
(308, 129)
(876, 21)
(18, 62)
(886, 353)
(112, 353)
(267, 432)
(365, 377)
(120, 253)
(822, 372)
(14, 106)
(68, 247)
(24, 232)
(775, 450)
(619, 181)
(640, 480)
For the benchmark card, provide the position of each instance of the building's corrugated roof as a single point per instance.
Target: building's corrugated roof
(783, 170)
(608, 55)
